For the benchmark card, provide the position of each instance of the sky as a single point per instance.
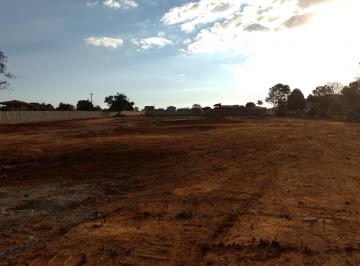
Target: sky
(176, 52)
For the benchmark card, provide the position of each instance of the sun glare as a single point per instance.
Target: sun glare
(323, 50)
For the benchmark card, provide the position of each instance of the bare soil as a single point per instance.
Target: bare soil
(185, 191)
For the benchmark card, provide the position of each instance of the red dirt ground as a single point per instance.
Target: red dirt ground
(142, 191)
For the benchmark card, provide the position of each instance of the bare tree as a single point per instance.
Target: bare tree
(336, 87)
(3, 72)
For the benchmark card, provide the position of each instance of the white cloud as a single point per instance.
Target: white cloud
(107, 42)
(115, 4)
(237, 30)
(92, 4)
(152, 42)
(300, 42)
(307, 3)
(194, 13)
(187, 41)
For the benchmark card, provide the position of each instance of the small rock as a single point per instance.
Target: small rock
(64, 229)
(113, 254)
(33, 239)
(286, 216)
(96, 215)
(310, 220)
(83, 259)
(142, 216)
(186, 215)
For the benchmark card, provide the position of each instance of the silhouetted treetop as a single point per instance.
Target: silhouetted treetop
(84, 105)
(250, 105)
(65, 107)
(3, 72)
(196, 106)
(332, 88)
(296, 101)
(43, 107)
(278, 95)
(119, 102)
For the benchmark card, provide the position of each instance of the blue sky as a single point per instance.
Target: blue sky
(176, 52)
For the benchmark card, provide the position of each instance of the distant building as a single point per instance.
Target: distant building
(16, 106)
(149, 110)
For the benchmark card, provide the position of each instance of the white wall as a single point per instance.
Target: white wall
(18, 117)
(131, 113)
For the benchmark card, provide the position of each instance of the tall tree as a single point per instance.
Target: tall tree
(119, 102)
(278, 95)
(296, 101)
(84, 105)
(3, 72)
(323, 91)
(351, 94)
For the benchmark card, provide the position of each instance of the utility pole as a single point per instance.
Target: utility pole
(91, 97)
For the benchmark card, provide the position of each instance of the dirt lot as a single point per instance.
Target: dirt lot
(144, 191)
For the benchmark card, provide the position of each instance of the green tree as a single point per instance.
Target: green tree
(260, 102)
(196, 106)
(3, 72)
(84, 105)
(97, 108)
(278, 95)
(43, 107)
(323, 91)
(325, 100)
(119, 102)
(296, 101)
(65, 107)
(250, 105)
(350, 100)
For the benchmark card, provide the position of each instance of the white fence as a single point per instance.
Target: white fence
(19, 117)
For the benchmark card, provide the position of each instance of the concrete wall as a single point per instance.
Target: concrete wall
(17, 117)
(239, 111)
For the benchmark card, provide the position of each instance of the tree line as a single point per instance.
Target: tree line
(332, 100)
(116, 103)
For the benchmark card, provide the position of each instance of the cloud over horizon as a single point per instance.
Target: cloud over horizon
(114, 4)
(108, 42)
(151, 42)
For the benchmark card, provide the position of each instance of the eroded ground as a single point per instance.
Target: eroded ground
(143, 191)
